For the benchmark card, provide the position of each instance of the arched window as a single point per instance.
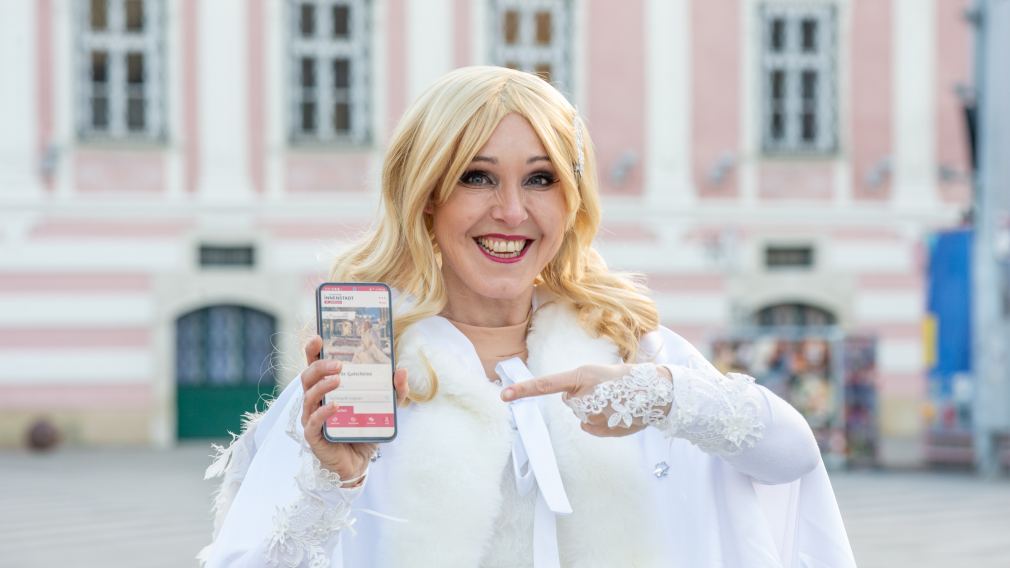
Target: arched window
(225, 345)
(225, 364)
(793, 314)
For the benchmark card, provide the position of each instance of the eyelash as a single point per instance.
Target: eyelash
(466, 178)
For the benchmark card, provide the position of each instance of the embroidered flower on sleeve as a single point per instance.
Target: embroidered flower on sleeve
(303, 530)
(718, 413)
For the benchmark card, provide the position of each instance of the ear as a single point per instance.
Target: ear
(429, 207)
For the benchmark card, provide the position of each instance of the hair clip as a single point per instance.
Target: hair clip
(580, 155)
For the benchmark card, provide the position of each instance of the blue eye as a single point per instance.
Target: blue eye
(541, 179)
(476, 178)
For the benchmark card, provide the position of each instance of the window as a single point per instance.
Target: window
(534, 36)
(798, 50)
(794, 314)
(779, 257)
(227, 256)
(329, 61)
(119, 69)
(225, 345)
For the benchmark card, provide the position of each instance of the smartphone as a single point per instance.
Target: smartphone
(355, 320)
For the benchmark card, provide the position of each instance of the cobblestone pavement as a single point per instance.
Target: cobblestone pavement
(141, 508)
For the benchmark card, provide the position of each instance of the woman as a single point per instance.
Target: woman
(628, 449)
(369, 351)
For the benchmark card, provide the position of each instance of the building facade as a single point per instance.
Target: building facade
(176, 174)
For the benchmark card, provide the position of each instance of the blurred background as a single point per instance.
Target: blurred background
(817, 193)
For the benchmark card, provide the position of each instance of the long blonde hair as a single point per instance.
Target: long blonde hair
(431, 148)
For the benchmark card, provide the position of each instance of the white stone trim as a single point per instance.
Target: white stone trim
(19, 160)
(668, 99)
(175, 95)
(222, 85)
(79, 366)
(64, 84)
(276, 97)
(378, 63)
(277, 294)
(480, 39)
(578, 56)
(914, 165)
(429, 44)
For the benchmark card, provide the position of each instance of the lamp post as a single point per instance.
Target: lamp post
(991, 255)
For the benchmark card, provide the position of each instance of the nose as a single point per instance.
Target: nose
(511, 206)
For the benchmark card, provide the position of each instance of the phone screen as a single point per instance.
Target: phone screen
(355, 323)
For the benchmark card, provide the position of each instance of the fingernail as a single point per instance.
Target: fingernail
(333, 365)
(507, 394)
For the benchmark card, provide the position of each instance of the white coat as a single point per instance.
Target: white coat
(769, 506)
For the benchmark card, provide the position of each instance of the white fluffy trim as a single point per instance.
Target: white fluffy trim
(447, 477)
(605, 478)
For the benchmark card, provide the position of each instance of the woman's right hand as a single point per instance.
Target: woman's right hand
(348, 460)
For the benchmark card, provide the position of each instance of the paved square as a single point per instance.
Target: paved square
(139, 508)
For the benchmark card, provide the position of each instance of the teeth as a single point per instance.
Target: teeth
(502, 247)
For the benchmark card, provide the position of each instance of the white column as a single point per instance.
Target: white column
(223, 102)
(275, 17)
(579, 55)
(668, 100)
(842, 194)
(429, 44)
(64, 80)
(175, 93)
(19, 164)
(379, 76)
(479, 37)
(748, 152)
(913, 104)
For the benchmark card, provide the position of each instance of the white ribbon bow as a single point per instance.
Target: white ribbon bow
(533, 461)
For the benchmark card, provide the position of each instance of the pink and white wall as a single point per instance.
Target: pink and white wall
(97, 252)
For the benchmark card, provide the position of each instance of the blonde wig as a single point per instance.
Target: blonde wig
(433, 146)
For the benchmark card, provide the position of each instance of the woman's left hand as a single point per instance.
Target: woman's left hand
(579, 386)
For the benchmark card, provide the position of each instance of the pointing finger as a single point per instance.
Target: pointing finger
(548, 384)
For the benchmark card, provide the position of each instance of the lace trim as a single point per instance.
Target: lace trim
(303, 528)
(642, 393)
(718, 413)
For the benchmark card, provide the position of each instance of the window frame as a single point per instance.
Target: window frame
(792, 62)
(323, 47)
(526, 53)
(118, 42)
(195, 335)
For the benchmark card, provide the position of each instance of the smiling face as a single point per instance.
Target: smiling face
(503, 222)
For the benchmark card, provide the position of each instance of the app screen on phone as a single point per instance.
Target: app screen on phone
(356, 329)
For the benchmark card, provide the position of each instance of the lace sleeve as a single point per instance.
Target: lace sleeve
(304, 531)
(721, 414)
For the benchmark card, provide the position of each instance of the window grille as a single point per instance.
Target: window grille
(226, 345)
(120, 69)
(798, 65)
(794, 314)
(533, 36)
(227, 256)
(329, 71)
(778, 257)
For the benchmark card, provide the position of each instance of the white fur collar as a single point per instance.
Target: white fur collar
(447, 475)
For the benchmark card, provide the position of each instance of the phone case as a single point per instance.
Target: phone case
(355, 337)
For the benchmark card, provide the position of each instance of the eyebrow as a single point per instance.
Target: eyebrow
(495, 160)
